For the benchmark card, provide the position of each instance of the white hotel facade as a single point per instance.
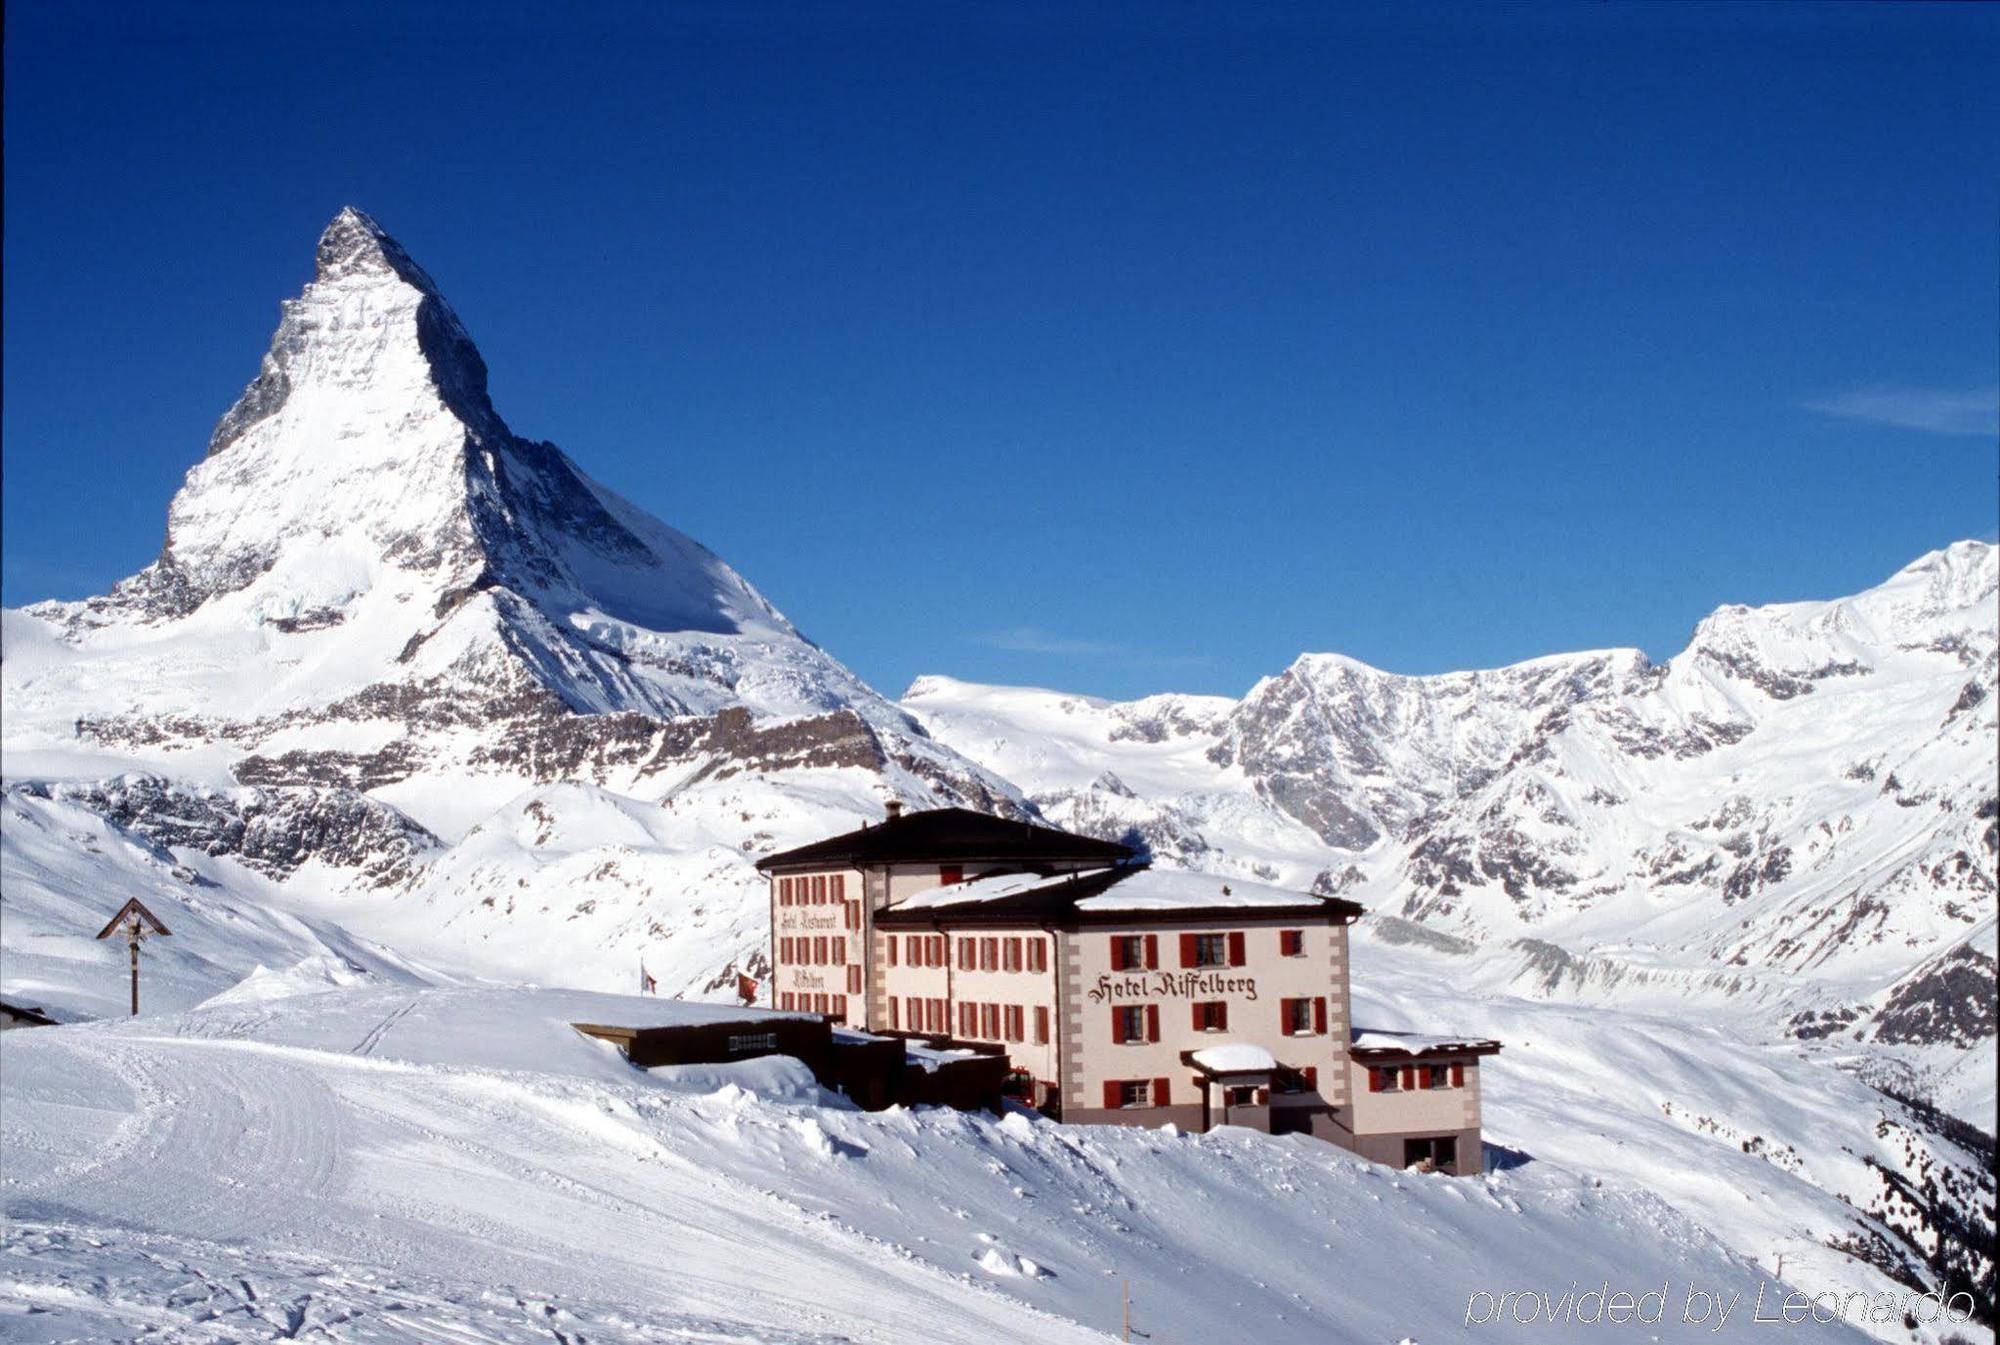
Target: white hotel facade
(1121, 993)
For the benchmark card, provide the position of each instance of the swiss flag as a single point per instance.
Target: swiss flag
(746, 988)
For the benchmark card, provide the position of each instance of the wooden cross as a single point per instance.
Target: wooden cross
(135, 922)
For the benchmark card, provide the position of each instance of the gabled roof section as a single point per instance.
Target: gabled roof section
(950, 835)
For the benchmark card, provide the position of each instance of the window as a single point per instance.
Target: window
(894, 1016)
(1211, 1016)
(950, 873)
(854, 978)
(788, 1000)
(939, 946)
(1038, 955)
(839, 1009)
(968, 1020)
(819, 888)
(1014, 1017)
(1240, 1095)
(1297, 1080)
(1204, 950)
(1041, 1025)
(1296, 1015)
(1291, 943)
(1010, 955)
(1137, 1093)
(968, 955)
(1381, 1080)
(889, 953)
(840, 887)
(1135, 1023)
(1128, 952)
(784, 891)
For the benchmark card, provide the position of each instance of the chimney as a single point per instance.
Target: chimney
(894, 807)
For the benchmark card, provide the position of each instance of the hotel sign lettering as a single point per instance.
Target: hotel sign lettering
(814, 920)
(1171, 985)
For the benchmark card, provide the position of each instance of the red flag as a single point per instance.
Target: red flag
(746, 989)
(647, 985)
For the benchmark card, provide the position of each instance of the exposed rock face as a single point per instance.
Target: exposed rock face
(275, 832)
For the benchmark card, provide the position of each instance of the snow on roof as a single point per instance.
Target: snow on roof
(1234, 1057)
(990, 888)
(1414, 1043)
(1170, 889)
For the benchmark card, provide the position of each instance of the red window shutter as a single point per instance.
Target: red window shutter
(1285, 1016)
(889, 952)
(1152, 952)
(839, 887)
(854, 979)
(894, 1017)
(1198, 1023)
(1236, 955)
(1409, 1076)
(1117, 953)
(1263, 1097)
(1222, 1014)
(965, 954)
(1111, 1095)
(1162, 1095)
(1152, 1022)
(1319, 1014)
(1117, 1028)
(1312, 1077)
(1041, 1024)
(1374, 1079)
(951, 873)
(989, 955)
(1188, 954)
(1457, 1075)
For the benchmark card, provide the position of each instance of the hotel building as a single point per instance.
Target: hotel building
(1122, 993)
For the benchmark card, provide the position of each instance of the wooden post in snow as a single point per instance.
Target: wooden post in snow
(135, 922)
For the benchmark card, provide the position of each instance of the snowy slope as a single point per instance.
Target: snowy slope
(392, 1165)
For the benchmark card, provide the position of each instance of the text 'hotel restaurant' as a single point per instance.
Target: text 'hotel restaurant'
(1121, 992)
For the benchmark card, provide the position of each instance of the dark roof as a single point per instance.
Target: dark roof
(949, 834)
(1055, 903)
(23, 1014)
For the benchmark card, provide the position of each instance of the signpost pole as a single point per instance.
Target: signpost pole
(134, 921)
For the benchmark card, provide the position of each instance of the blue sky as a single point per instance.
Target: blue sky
(1109, 348)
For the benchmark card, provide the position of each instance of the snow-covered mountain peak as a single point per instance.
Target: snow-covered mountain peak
(353, 244)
